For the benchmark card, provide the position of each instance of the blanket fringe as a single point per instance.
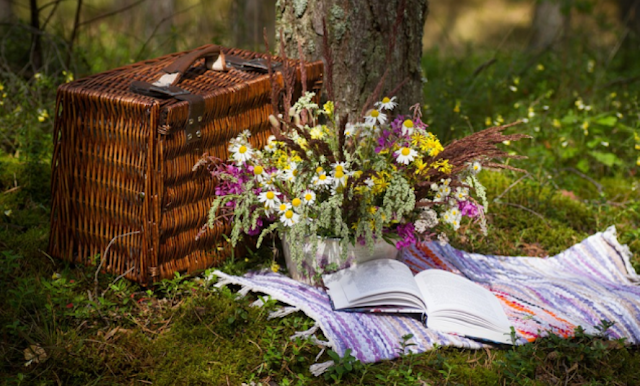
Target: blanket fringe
(318, 342)
(257, 303)
(284, 311)
(244, 291)
(319, 368)
(305, 334)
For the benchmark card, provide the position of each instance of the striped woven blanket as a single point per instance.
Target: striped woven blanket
(582, 286)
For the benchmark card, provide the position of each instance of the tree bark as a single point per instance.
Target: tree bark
(549, 24)
(360, 33)
(630, 15)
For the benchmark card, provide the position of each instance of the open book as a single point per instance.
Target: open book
(450, 302)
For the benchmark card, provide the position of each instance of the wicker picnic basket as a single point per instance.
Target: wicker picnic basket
(124, 192)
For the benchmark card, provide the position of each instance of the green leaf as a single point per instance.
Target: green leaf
(583, 165)
(607, 120)
(608, 159)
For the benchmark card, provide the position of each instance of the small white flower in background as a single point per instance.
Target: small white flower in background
(349, 130)
(430, 217)
(245, 134)
(283, 207)
(439, 197)
(591, 65)
(290, 218)
(531, 112)
(242, 152)
(513, 88)
(305, 102)
(604, 143)
(309, 197)
(405, 155)
(421, 226)
(461, 193)
(445, 190)
(407, 127)
(580, 104)
(446, 182)
(271, 144)
(369, 182)
(386, 103)
(375, 117)
(443, 239)
(56, 276)
(270, 199)
(475, 167)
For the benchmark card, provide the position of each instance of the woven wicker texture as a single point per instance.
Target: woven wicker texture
(122, 173)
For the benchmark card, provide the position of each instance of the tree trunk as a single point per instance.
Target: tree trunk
(549, 24)
(360, 33)
(630, 15)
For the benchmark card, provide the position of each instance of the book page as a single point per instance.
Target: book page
(454, 301)
(378, 281)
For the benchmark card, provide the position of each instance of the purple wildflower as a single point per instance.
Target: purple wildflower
(469, 209)
(255, 231)
(407, 233)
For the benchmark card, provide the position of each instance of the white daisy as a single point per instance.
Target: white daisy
(461, 193)
(407, 127)
(444, 189)
(375, 116)
(283, 207)
(369, 182)
(340, 178)
(405, 155)
(296, 203)
(291, 172)
(349, 130)
(290, 218)
(386, 103)
(259, 173)
(270, 199)
(475, 167)
(271, 144)
(246, 134)
(322, 180)
(242, 152)
(309, 197)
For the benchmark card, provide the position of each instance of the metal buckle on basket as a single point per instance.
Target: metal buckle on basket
(193, 130)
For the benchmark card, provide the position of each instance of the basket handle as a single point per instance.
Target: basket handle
(214, 60)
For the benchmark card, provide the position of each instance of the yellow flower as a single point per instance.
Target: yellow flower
(420, 165)
(43, 115)
(540, 67)
(442, 165)
(456, 109)
(316, 132)
(556, 123)
(487, 121)
(329, 108)
(275, 267)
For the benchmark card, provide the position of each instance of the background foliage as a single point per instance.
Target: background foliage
(578, 99)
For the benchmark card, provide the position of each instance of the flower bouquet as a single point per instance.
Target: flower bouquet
(383, 178)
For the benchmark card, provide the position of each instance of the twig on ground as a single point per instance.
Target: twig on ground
(526, 209)
(510, 187)
(103, 258)
(586, 177)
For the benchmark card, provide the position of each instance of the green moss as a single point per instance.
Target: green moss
(338, 21)
(299, 7)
